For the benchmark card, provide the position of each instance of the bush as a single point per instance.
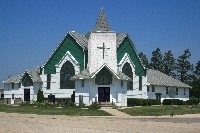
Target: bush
(81, 105)
(94, 105)
(142, 102)
(40, 96)
(192, 102)
(175, 102)
(69, 103)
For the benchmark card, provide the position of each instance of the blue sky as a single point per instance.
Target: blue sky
(31, 29)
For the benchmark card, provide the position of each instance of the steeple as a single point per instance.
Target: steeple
(102, 22)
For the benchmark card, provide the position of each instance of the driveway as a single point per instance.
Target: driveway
(30, 123)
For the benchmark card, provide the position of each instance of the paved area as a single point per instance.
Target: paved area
(29, 123)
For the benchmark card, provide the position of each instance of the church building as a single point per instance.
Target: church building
(101, 66)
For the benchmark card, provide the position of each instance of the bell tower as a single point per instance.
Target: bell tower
(102, 45)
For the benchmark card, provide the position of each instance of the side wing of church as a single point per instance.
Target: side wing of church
(101, 66)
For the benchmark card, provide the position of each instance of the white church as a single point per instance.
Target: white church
(101, 66)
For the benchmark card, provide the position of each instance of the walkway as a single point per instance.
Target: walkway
(115, 112)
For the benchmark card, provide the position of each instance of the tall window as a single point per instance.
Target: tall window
(122, 83)
(128, 71)
(140, 83)
(166, 89)
(82, 83)
(13, 85)
(147, 88)
(184, 91)
(48, 81)
(104, 77)
(67, 71)
(176, 91)
(153, 88)
(19, 85)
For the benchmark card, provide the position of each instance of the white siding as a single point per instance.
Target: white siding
(162, 90)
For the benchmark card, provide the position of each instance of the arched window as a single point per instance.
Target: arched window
(66, 72)
(128, 71)
(104, 77)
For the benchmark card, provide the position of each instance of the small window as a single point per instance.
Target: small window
(176, 91)
(153, 88)
(140, 83)
(122, 83)
(82, 83)
(147, 88)
(184, 91)
(48, 81)
(166, 89)
(19, 85)
(13, 85)
(13, 96)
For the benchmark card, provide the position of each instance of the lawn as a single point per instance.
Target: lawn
(52, 110)
(162, 110)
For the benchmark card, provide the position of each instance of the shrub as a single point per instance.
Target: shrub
(142, 102)
(81, 105)
(69, 103)
(40, 96)
(175, 102)
(192, 102)
(94, 105)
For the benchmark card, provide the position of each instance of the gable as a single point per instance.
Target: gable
(26, 80)
(68, 44)
(128, 47)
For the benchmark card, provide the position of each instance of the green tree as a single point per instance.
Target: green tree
(196, 81)
(184, 67)
(144, 59)
(169, 66)
(40, 96)
(157, 60)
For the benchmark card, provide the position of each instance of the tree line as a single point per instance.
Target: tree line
(180, 68)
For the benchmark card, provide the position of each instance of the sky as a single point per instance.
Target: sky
(30, 30)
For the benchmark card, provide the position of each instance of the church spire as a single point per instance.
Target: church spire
(102, 22)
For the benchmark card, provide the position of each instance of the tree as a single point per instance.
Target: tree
(169, 64)
(144, 59)
(157, 60)
(40, 96)
(197, 70)
(196, 81)
(184, 67)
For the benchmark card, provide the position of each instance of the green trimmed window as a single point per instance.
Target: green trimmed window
(128, 71)
(67, 71)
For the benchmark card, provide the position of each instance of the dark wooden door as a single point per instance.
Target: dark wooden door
(104, 94)
(26, 94)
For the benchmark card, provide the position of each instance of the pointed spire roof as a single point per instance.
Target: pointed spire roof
(102, 22)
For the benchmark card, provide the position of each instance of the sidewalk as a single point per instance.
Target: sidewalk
(115, 112)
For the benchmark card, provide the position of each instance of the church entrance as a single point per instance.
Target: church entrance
(104, 94)
(26, 94)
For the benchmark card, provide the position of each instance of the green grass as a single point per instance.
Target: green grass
(162, 110)
(52, 110)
